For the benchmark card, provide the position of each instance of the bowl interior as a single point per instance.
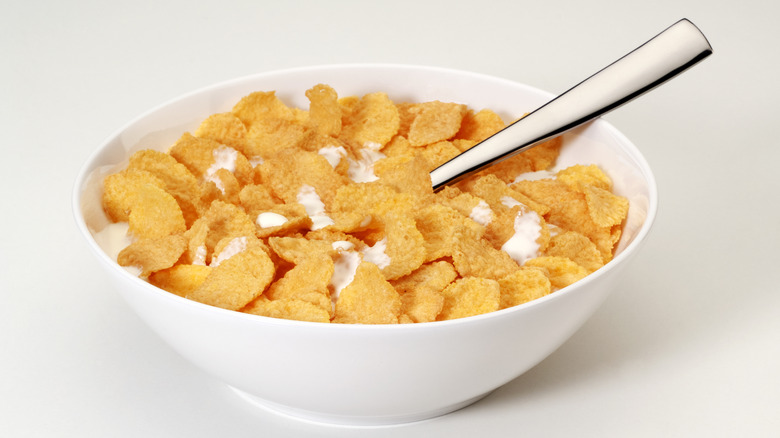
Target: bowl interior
(596, 143)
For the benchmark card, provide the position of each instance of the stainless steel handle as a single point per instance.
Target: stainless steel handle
(666, 55)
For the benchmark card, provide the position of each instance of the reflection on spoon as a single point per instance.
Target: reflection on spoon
(666, 55)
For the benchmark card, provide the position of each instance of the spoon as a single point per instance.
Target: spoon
(663, 57)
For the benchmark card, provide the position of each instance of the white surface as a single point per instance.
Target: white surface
(689, 347)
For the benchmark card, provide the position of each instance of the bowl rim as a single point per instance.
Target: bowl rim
(89, 166)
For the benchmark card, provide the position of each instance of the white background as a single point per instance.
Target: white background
(689, 345)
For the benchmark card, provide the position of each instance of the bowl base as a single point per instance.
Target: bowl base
(320, 418)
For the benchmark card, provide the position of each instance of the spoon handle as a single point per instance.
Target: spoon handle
(666, 55)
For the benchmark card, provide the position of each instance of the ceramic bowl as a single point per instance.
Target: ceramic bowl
(366, 374)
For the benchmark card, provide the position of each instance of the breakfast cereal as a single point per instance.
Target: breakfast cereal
(327, 214)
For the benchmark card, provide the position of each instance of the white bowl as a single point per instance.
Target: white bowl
(360, 374)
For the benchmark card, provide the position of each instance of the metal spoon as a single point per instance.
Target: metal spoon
(666, 55)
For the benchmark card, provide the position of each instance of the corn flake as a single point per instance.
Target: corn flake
(405, 245)
(421, 297)
(522, 286)
(476, 257)
(406, 115)
(256, 198)
(180, 279)
(153, 255)
(224, 128)
(372, 119)
(221, 221)
(543, 155)
(175, 177)
(307, 281)
(119, 191)
(434, 122)
(568, 210)
(439, 226)
(479, 126)
(297, 249)
(289, 170)
(559, 270)
(439, 153)
(260, 106)
(406, 174)
(462, 144)
(605, 208)
(155, 214)
(293, 309)
(399, 146)
(510, 168)
(324, 110)
(580, 176)
(204, 156)
(470, 296)
(222, 185)
(371, 198)
(268, 137)
(576, 247)
(368, 299)
(295, 220)
(237, 280)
